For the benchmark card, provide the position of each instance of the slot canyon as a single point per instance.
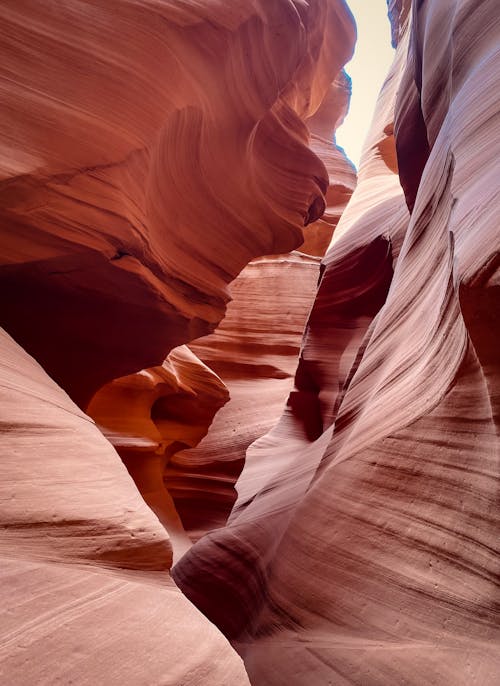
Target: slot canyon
(249, 392)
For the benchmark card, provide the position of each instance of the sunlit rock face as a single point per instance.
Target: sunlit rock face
(149, 152)
(341, 173)
(363, 547)
(86, 596)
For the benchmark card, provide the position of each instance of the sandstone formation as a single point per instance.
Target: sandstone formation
(150, 149)
(254, 350)
(363, 547)
(86, 597)
(256, 346)
(151, 415)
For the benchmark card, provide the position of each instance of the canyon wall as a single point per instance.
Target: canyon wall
(86, 595)
(159, 162)
(363, 545)
(150, 151)
(254, 352)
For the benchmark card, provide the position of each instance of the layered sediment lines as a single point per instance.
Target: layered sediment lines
(363, 546)
(156, 427)
(254, 350)
(150, 150)
(86, 596)
(151, 415)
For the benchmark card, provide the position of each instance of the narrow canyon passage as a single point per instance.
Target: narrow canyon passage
(249, 390)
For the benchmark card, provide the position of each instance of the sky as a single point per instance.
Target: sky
(367, 70)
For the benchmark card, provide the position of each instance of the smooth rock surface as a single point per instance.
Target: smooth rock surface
(86, 595)
(151, 415)
(150, 150)
(255, 351)
(364, 544)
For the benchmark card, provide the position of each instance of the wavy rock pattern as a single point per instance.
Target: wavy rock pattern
(127, 224)
(150, 149)
(255, 348)
(255, 351)
(86, 596)
(341, 173)
(151, 415)
(363, 547)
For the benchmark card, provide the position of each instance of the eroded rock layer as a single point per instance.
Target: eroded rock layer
(86, 596)
(255, 351)
(150, 150)
(364, 544)
(151, 415)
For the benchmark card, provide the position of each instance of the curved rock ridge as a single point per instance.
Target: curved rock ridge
(341, 172)
(150, 150)
(86, 596)
(255, 350)
(151, 415)
(202, 480)
(363, 547)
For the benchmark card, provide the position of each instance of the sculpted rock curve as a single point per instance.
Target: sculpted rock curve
(150, 151)
(365, 535)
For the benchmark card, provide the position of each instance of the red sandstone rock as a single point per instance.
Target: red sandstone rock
(341, 173)
(151, 415)
(150, 150)
(86, 596)
(255, 351)
(363, 548)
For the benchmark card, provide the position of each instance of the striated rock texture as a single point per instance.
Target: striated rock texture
(151, 415)
(341, 172)
(364, 544)
(86, 597)
(256, 346)
(150, 150)
(255, 351)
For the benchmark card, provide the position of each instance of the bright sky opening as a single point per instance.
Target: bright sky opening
(367, 69)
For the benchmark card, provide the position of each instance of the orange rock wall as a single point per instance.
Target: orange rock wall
(363, 546)
(255, 351)
(150, 150)
(86, 595)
